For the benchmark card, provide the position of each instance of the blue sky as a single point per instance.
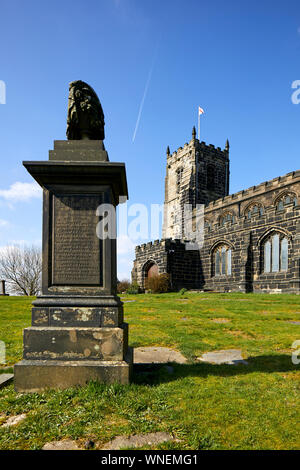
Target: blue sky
(236, 59)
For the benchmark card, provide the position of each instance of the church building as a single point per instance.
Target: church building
(251, 239)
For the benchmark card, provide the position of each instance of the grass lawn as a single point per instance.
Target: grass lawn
(254, 406)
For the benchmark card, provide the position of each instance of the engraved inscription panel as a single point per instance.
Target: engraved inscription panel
(76, 249)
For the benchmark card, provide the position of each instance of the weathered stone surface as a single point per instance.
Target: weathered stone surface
(37, 375)
(138, 440)
(77, 250)
(14, 420)
(5, 379)
(224, 356)
(65, 444)
(295, 322)
(72, 316)
(78, 316)
(75, 344)
(78, 151)
(157, 355)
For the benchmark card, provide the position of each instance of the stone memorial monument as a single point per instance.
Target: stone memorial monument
(77, 333)
(2, 288)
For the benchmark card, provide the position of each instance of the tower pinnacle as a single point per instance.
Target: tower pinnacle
(194, 133)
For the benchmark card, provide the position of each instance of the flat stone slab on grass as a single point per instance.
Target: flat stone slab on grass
(293, 322)
(13, 420)
(157, 355)
(224, 356)
(138, 440)
(65, 444)
(5, 379)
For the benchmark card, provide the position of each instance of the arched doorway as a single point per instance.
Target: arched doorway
(152, 271)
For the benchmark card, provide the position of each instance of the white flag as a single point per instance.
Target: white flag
(201, 111)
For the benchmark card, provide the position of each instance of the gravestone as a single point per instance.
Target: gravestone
(2, 288)
(77, 333)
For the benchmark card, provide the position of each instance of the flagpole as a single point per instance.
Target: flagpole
(200, 111)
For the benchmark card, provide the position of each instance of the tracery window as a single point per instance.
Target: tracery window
(286, 199)
(275, 253)
(254, 210)
(225, 218)
(222, 261)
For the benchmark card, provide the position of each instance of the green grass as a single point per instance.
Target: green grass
(254, 406)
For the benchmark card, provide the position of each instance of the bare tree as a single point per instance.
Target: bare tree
(21, 267)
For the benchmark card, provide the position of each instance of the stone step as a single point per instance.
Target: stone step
(5, 379)
(75, 344)
(35, 376)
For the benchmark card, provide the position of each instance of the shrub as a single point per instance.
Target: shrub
(122, 286)
(158, 284)
(182, 291)
(133, 288)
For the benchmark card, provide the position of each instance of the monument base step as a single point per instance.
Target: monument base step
(35, 376)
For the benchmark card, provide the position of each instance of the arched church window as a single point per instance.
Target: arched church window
(222, 261)
(286, 199)
(284, 254)
(226, 218)
(275, 253)
(254, 210)
(280, 206)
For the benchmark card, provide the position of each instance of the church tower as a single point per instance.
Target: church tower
(196, 174)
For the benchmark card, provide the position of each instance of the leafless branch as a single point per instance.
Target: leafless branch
(21, 267)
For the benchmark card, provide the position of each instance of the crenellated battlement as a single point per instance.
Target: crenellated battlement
(166, 243)
(262, 188)
(202, 146)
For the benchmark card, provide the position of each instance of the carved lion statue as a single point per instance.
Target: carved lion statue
(85, 115)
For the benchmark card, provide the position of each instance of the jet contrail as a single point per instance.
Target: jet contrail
(144, 95)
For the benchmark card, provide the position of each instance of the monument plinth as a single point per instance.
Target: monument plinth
(77, 333)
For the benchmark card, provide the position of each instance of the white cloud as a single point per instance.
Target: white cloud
(3, 223)
(21, 192)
